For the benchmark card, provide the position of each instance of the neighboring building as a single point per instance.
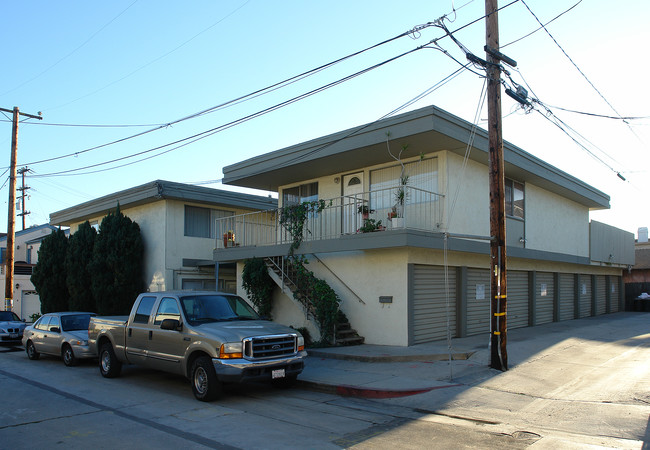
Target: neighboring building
(425, 270)
(27, 242)
(177, 223)
(637, 276)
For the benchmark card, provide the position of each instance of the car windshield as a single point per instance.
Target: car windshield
(74, 322)
(215, 308)
(8, 316)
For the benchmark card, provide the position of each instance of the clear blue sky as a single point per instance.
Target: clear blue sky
(148, 62)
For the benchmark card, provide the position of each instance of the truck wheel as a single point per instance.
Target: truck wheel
(31, 351)
(109, 365)
(68, 356)
(205, 385)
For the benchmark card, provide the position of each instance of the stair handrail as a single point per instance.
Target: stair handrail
(337, 277)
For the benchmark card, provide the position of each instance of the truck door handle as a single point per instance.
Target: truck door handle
(150, 334)
(129, 332)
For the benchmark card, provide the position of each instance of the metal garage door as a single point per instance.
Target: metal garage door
(517, 299)
(430, 309)
(614, 293)
(601, 294)
(567, 292)
(585, 295)
(478, 301)
(544, 292)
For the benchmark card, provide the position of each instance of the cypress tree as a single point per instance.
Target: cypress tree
(117, 275)
(49, 276)
(77, 266)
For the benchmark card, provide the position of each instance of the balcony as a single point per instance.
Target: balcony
(342, 216)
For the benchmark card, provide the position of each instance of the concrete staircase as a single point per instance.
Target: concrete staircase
(284, 276)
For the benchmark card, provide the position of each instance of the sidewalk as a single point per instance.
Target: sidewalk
(381, 371)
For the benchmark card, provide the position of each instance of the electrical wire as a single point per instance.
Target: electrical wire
(574, 64)
(71, 53)
(152, 61)
(212, 131)
(541, 27)
(78, 125)
(232, 102)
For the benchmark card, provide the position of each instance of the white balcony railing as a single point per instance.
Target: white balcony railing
(421, 210)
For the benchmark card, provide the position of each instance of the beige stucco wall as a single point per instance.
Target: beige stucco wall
(467, 196)
(151, 219)
(555, 224)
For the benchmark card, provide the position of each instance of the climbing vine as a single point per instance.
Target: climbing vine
(318, 299)
(294, 217)
(258, 285)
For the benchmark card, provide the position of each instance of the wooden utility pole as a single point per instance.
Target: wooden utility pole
(499, 354)
(22, 190)
(11, 219)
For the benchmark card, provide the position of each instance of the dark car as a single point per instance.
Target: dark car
(11, 328)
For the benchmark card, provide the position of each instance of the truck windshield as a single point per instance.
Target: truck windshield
(214, 308)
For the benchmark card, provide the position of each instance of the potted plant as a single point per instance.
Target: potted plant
(228, 238)
(365, 211)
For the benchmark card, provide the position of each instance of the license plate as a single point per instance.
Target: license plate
(277, 373)
(13, 336)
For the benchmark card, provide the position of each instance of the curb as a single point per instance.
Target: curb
(362, 392)
(390, 358)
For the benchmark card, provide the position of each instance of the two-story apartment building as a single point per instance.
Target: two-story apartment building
(26, 244)
(177, 223)
(423, 271)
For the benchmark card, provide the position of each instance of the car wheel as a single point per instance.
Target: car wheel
(31, 351)
(285, 382)
(205, 385)
(109, 365)
(68, 356)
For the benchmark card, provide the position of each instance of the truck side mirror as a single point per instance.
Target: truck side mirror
(171, 324)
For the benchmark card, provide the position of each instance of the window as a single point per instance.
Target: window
(200, 222)
(29, 254)
(168, 309)
(514, 198)
(421, 175)
(199, 284)
(300, 194)
(42, 323)
(54, 323)
(3, 255)
(144, 310)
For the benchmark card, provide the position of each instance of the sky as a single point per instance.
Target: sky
(127, 67)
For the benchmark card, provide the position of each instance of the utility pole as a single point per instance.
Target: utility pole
(23, 212)
(498, 292)
(11, 220)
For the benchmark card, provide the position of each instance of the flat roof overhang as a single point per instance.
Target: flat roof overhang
(425, 130)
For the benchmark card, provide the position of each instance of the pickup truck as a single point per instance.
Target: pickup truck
(209, 337)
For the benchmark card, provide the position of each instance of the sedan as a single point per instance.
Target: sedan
(62, 334)
(11, 328)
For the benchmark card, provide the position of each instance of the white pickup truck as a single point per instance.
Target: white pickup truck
(209, 337)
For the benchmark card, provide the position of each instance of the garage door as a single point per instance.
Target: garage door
(517, 299)
(614, 295)
(567, 292)
(478, 301)
(30, 305)
(430, 308)
(544, 292)
(585, 295)
(601, 294)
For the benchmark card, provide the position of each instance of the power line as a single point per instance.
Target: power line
(232, 102)
(543, 26)
(152, 61)
(571, 60)
(204, 134)
(78, 125)
(72, 52)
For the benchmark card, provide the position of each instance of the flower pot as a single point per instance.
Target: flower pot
(397, 222)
